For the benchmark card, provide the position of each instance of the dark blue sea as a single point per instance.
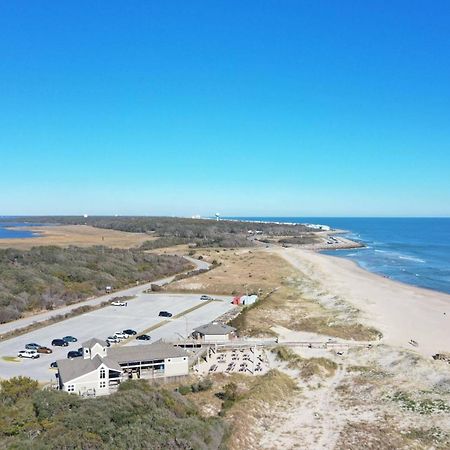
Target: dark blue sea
(411, 250)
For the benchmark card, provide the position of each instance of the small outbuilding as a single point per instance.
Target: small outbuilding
(214, 332)
(236, 300)
(249, 299)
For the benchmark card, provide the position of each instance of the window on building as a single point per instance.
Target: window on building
(70, 388)
(102, 373)
(102, 384)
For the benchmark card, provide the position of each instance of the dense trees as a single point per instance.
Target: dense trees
(48, 277)
(202, 232)
(139, 416)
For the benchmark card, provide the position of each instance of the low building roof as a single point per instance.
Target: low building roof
(70, 369)
(215, 328)
(91, 342)
(149, 352)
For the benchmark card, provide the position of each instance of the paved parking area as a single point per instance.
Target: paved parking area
(248, 361)
(140, 315)
(132, 291)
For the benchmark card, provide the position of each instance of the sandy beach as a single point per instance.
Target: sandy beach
(401, 312)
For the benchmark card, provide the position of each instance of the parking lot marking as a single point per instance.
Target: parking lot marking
(11, 359)
(187, 311)
(163, 322)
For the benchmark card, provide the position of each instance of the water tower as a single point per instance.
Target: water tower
(217, 217)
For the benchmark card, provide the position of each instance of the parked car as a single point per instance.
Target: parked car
(112, 340)
(165, 314)
(205, 297)
(59, 343)
(118, 303)
(121, 335)
(54, 365)
(74, 354)
(44, 350)
(70, 339)
(32, 354)
(130, 332)
(32, 346)
(143, 337)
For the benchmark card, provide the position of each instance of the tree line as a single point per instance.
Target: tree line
(49, 277)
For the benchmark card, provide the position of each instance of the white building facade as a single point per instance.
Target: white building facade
(101, 369)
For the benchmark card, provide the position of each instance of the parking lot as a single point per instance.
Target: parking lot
(141, 314)
(248, 361)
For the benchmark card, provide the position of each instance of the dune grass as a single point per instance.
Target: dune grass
(307, 367)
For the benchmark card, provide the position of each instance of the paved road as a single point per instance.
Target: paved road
(140, 314)
(135, 290)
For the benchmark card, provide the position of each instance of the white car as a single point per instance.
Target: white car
(32, 354)
(112, 339)
(117, 303)
(121, 336)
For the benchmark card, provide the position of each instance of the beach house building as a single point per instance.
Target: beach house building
(101, 369)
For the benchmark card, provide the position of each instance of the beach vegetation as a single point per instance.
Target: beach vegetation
(434, 437)
(421, 406)
(202, 385)
(45, 278)
(307, 367)
(137, 416)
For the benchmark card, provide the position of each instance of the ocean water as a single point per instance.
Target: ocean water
(411, 250)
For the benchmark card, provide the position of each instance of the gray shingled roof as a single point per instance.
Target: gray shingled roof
(70, 369)
(91, 342)
(216, 328)
(157, 350)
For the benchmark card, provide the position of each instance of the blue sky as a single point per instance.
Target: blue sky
(295, 108)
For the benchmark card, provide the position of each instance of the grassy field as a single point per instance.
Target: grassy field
(239, 272)
(282, 289)
(78, 235)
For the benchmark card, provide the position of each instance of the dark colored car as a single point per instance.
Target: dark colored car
(74, 354)
(70, 339)
(60, 343)
(165, 314)
(143, 337)
(44, 350)
(130, 332)
(54, 365)
(32, 346)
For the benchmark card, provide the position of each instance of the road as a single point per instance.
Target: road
(141, 314)
(135, 290)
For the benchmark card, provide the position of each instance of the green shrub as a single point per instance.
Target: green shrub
(49, 277)
(137, 416)
(184, 390)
